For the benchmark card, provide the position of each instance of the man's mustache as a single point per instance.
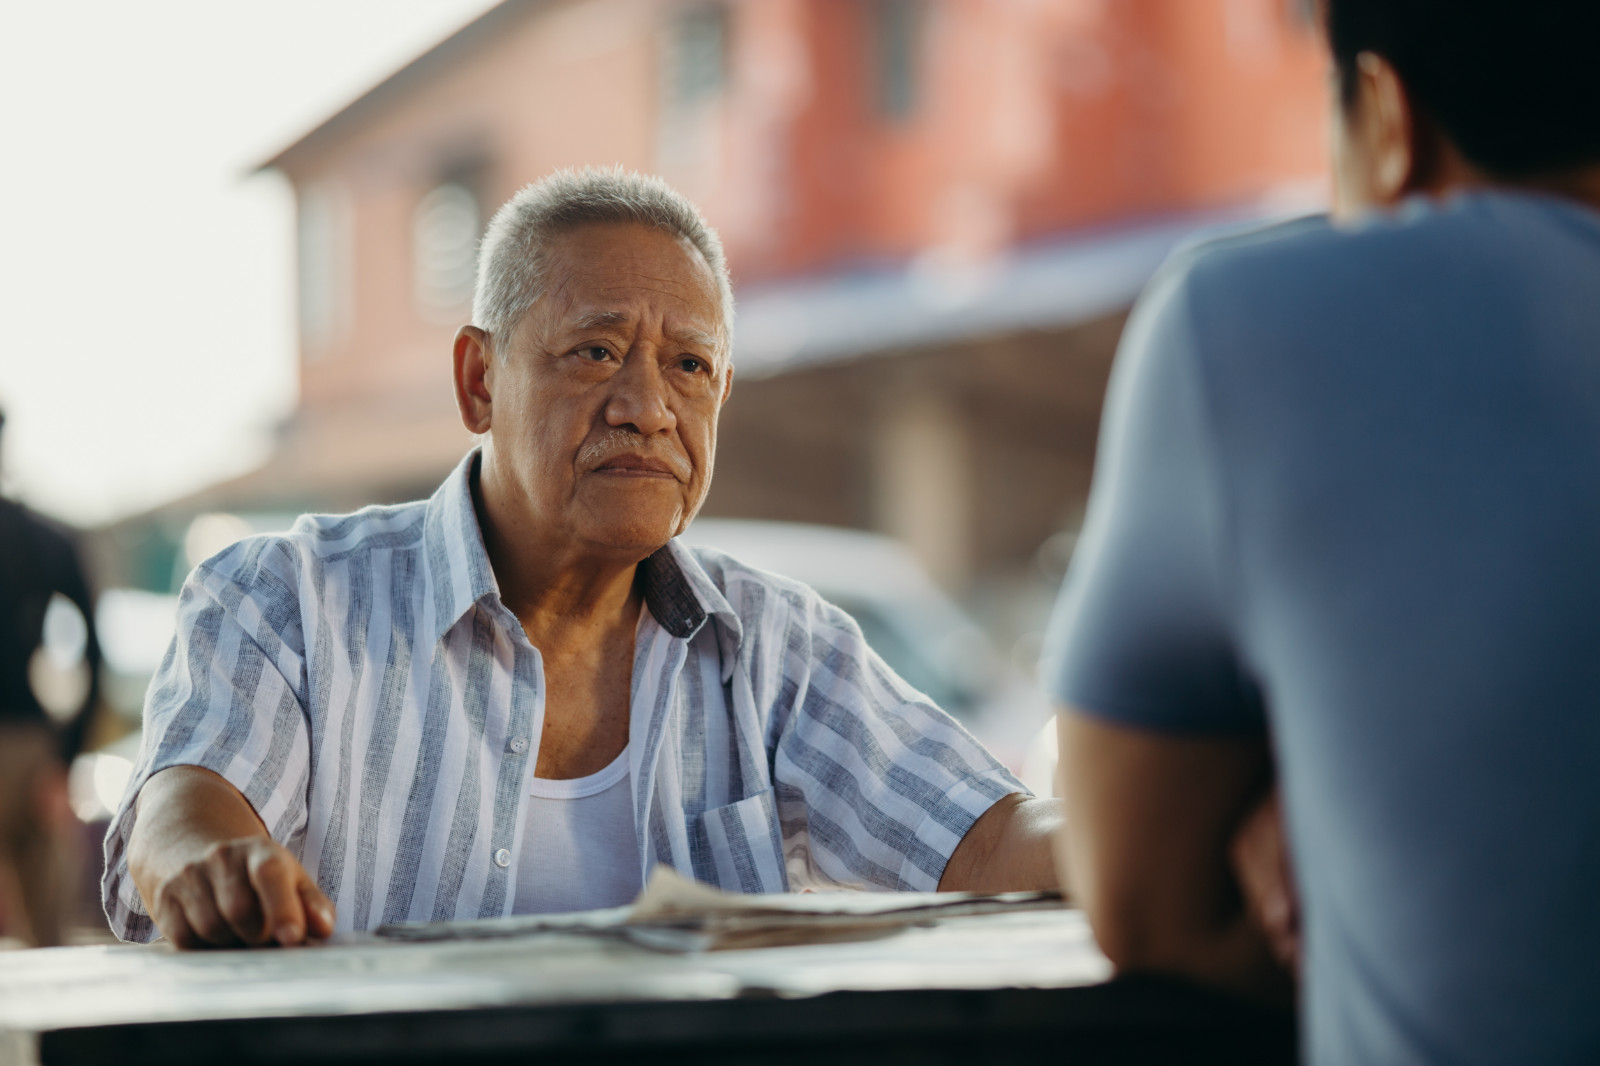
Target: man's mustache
(614, 443)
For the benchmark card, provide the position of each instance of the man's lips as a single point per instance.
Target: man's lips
(637, 466)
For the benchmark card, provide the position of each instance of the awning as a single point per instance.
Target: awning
(1051, 285)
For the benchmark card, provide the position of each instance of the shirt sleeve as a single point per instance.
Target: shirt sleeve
(228, 697)
(1143, 633)
(875, 784)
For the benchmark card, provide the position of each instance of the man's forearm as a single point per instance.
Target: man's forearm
(183, 811)
(210, 874)
(1147, 839)
(1009, 849)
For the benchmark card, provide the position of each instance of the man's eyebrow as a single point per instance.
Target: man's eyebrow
(602, 320)
(695, 338)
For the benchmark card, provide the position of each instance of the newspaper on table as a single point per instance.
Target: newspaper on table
(674, 913)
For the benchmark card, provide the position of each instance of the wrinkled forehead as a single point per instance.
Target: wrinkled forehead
(600, 269)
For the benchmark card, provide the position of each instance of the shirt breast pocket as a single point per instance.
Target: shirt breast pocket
(747, 845)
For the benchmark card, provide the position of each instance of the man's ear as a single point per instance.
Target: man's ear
(474, 373)
(727, 383)
(1392, 130)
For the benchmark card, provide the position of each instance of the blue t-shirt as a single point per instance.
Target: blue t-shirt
(1349, 492)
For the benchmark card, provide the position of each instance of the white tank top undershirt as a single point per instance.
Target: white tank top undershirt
(579, 847)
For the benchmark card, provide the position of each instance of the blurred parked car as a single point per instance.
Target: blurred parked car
(920, 632)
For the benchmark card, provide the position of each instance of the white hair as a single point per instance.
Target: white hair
(512, 260)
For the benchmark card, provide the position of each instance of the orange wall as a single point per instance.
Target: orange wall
(1037, 116)
(527, 102)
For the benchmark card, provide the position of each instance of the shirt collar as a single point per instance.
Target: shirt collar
(456, 560)
(677, 589)
(681, 596)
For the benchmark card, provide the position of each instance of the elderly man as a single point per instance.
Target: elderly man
(521, 694)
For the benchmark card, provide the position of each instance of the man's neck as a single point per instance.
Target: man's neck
(1580, 185)
(558, 591)
(1453, 174)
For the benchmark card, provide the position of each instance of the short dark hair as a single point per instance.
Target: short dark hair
(1511, 83)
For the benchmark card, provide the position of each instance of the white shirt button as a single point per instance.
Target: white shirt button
(502, 858)
(518, 745)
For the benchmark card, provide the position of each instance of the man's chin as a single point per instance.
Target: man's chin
(635, 536)
(639, 522)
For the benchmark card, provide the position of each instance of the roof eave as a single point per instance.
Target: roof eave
(370, 103)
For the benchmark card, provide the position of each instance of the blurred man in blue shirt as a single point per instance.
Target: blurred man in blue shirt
(1346, 524)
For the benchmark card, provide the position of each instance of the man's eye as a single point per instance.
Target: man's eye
(595, 354)
(693, 364)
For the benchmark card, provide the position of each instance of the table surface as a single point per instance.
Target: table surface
(583, 997)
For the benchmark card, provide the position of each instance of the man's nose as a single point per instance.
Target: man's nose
(639, 397)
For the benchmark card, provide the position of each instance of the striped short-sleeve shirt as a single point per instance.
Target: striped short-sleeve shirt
(359, 680)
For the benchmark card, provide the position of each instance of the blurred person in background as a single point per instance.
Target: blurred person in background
(38, 838)
(47, 691)
(1345, 522)
(520, 695)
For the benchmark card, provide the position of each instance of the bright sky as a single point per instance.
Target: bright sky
(146, 277)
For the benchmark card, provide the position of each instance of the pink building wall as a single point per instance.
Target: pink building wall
(1033, 118)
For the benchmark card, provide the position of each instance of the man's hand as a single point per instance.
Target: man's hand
(246, 891)
(1260, 856)
(210, 875)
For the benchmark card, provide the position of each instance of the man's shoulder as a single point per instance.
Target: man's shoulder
(314, 541)
(369, 529)
(753, 593)
(1305, 270)
(1231, 268)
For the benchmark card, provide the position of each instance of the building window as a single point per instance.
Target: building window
(700, 54)
(1302, 14)
(897, 56)
(324, 246)
(444, 241)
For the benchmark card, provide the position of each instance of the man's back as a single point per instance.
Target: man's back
(1417, 501)
(1385, 448)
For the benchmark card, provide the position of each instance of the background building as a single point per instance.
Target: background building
(937, 213)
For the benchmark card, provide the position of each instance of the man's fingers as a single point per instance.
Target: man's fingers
(273, 872)
(1286, 948)
(175, 928)
(319, 911)
(237, 902)
(248, 890)
(1261, 863)
(193, 896)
